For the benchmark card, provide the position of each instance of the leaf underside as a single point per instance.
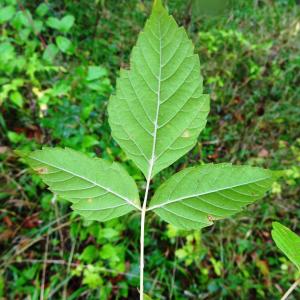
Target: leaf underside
(195, 197)
(159, 108)
(288, 242)
(99, 190)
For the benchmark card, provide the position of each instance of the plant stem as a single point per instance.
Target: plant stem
(290, 290)
(143, 217)
(149, 175)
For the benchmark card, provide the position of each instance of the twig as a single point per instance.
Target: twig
(68, 268)
(59, 286)
(174, 270)
(56, 221)
(155, 281)
(57, 216)
(7, 262)
(19, 188)
(44, 269)
(290, 290)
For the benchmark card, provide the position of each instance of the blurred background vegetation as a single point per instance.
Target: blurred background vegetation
(59, 61)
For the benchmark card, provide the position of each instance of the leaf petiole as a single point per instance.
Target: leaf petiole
(142, 238)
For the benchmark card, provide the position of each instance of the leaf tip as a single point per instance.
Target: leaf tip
(158, 5)
(276, 226)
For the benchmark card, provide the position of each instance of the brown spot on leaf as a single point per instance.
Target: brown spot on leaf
(41, 170)
(210, 218)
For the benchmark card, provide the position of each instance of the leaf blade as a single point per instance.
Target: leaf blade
(197, 196)
(288, 242)
(98, 189)
(159, 108)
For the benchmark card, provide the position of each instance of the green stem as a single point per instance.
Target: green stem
(142, 244)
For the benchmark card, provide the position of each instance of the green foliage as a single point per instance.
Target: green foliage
(63, 25)
(6, 13)
(42, 82)
(64, 44)
(89, 254)
(192, 251)
(288, 242)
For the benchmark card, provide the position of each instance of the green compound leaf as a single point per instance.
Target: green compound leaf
(195, 197)
(288, 242)
(99, 190)
(159, 108)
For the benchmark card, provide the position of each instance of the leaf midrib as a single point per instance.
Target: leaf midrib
(152, 160)
(89, 180)
(201, 194)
